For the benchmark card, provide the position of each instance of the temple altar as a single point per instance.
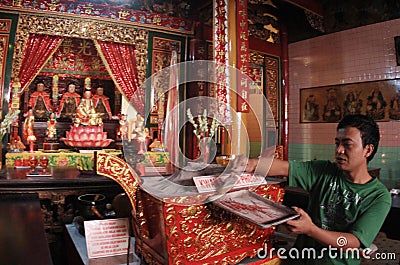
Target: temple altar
(178, 226)
(193, 232)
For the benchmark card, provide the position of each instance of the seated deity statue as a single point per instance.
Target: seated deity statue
(39, 101)
(102, 104)
(86, 113)
(69, 102)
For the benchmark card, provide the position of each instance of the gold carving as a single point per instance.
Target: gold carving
(229, 227)
(272, 85)
(77, 27)
(205, 231)
(192, 210)
(256, 57)
(5, 25)
(194, 231)
(117, 169)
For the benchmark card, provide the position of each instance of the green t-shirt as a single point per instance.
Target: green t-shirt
(337, 204)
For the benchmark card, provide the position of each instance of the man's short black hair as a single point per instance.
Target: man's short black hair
(368, 127)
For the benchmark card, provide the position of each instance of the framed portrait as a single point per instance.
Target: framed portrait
(379, 100)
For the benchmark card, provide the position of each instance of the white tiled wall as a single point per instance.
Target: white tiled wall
(352, 56)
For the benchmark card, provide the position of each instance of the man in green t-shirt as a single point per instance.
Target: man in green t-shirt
(347, 206)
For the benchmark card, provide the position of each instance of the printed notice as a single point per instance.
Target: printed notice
(106, 238)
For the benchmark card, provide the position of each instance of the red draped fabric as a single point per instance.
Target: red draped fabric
(171, 132)
(38, 50)
(120, 60)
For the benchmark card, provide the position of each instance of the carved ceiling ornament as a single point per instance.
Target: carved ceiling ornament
(315, 21)
(80, 28)
(263, 25)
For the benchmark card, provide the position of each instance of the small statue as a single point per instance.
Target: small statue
(86, 113)
(69, 103)
(51, 131)
(39, 101)
(50, 142)
(29, 134)
(123, 128)
(15, 145)
(101, 104)
(136, 128)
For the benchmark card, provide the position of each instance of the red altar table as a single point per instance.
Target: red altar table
(182, 229)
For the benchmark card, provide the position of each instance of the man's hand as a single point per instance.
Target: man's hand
(251, 164)
(301, 225)
(304, 225)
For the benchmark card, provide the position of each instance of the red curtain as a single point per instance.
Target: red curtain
(38, 50)
(120, 59)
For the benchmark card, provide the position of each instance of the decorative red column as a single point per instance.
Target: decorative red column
(285, 92)
(242, 58)
(221, 59)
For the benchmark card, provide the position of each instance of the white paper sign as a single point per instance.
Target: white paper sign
(206, 183)
(106, 238)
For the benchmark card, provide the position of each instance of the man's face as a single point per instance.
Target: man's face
(350, 154)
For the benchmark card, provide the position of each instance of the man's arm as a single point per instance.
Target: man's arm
(268, 166)
(304, 225)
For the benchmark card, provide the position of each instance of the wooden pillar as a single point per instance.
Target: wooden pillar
(285, 92)
(234, 55)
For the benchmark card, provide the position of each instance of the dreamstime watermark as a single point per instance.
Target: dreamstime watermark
(341, 241)
(329, 252)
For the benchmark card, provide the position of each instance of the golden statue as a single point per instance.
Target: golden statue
(51, 131)
(86, 113)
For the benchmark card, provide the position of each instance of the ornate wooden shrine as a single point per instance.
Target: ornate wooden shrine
(182, 229)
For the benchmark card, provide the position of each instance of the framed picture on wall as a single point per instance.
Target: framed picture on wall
(378, 99)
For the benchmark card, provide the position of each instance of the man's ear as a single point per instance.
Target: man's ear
(369, 148)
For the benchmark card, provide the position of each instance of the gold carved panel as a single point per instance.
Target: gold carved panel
(271, 65)
(80, 28)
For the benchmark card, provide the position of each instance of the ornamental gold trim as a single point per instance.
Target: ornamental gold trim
(118, 170)
(80, 28)
(204, 232)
